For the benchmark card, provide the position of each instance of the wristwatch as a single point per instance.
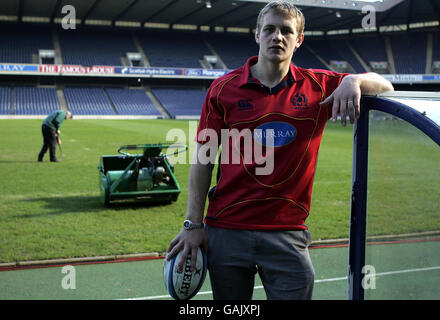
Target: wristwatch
(189, 225)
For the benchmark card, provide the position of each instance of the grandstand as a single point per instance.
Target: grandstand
(410, 59)
(234, 49)
(181, 102)
(21, 43)
(162, 66)
(131, 102)
(34, 101)
(5, 100)
(165, 49)
(84, 101)
(363, 46)
(95, 48)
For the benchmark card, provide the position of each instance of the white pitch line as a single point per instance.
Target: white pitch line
(316, 281)
(407, 270)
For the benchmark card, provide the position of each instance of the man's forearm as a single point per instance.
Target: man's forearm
(199, 182)
(372, 83)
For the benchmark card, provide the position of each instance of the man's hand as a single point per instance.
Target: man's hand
(189, 241)
(345, 99)
(57, 135)
(347, 96)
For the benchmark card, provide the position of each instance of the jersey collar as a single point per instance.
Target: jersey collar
(293, 76)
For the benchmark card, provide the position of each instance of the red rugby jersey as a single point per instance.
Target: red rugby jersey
(243, 199)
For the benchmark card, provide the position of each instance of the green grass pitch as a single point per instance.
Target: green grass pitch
(52, 210)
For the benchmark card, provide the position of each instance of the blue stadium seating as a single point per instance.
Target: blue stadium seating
(18, 44)
(173, 49)
(303, 57)
(408, 56)
(87, 47)
(234, 49)
(132, 102)
(436, 46)
(81, 101)
(335, 49)
(95, 47)
(88, 101)
(5, 100)
(346, 54)
(370, 48)
(35, 101)
(181, 101)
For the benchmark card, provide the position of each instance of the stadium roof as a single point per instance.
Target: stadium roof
(322, 15)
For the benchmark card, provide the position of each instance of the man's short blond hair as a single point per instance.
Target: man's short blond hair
(283, 7)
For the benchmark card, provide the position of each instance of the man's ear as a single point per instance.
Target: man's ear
(300, 40)
(257, 37)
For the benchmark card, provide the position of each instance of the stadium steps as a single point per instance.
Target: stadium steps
(157, 103)
(111, 101)
(390, 56)
(12, 100)
(124, 61)
(319, 57)
(62, 99)
(141, 51)
(57, 47)
(358, 57)
(203, 64)
(35, 58)
(214, 52)
(429, 45)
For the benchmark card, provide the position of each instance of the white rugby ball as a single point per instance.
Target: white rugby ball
(185, 284)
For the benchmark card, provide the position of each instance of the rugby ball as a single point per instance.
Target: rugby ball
(185, 284)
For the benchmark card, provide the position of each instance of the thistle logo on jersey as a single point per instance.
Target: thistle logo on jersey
(282, 133)
(299, 100)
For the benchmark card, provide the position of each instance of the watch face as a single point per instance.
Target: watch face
(188, 225)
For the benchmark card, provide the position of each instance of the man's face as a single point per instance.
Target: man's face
(278, 37)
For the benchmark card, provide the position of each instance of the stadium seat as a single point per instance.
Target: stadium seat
(5, 100)
(35, 100)
(95, 47)
(181, 101)
(181, 49)
(132, 102)
(18, 44)
(88, 101)
(234, 49)
(409, 51)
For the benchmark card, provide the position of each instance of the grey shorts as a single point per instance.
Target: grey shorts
(281, 259)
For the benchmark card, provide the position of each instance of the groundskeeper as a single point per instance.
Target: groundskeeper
(51, 133)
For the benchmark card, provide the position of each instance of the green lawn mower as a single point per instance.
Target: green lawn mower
(142, 177)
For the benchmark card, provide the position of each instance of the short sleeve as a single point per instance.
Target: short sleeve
(211, 119)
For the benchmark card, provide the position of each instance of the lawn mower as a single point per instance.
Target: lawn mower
(147, 176)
